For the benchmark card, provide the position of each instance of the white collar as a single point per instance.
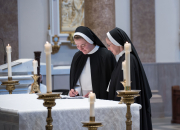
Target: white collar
(94, 50)
(119, 55)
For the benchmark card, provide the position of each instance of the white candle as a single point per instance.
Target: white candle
(92, 98)
(124, 69)
(35, 65)
(8, 50)
(127, 48)
(48, 50)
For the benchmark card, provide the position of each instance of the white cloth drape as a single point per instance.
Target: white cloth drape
(26, 112)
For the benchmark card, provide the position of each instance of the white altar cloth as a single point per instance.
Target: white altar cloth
(26, 112)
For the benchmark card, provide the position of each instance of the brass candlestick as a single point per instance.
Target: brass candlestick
(35, 86)
(92, 124)
(10, 84)
(128, 98)
(49, 102)
(124, 84)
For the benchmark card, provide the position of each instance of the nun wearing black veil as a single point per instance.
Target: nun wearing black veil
(116, 39)
(91, 66)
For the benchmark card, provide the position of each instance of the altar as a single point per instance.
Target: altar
(26, 112)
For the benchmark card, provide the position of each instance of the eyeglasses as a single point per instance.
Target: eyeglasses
(108, 45)
(81, 46)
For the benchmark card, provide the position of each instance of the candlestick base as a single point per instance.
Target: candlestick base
(35, 87)
(128, 99)
(121, 101)
(10, 84)
(49, 102)
(92, 124)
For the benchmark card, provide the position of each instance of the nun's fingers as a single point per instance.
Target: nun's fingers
(76, 92)
(72, 90)
(71, 94)
(86, 95)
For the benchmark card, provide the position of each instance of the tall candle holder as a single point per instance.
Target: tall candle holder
(49, 102)
(92, 124)
(35, 86)
(128, 98)
(10, 84)
(124, 84)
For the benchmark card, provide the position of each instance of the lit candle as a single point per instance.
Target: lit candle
(124, 69)
(127, 48)
(35, 65)
(48, 50)
(8, 50)
(92, 98)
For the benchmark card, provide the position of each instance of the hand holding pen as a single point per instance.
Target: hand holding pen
(73, 93)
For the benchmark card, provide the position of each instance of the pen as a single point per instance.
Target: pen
(75, 91)
(75, 94)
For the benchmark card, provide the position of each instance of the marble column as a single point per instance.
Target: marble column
(9, 28)
(100, 17)
(143, 28)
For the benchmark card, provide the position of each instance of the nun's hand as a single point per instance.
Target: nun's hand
(73, 93)
(87, 95)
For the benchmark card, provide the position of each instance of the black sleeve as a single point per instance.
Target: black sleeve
(72, 70)
(133, 76)
(77, 65)
(108, 63)
(135, 79)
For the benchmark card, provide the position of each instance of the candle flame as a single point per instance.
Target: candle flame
(47, 42)
(8, 45)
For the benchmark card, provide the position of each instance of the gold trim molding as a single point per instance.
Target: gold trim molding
(55, 47)
(49, 27)
(70, 38)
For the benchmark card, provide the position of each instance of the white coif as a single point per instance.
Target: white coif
(84, 36)
(112, 39)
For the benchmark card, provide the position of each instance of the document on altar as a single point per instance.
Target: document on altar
(68, 97)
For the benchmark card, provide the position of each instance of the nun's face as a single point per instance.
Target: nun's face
(83, 45)
(113, 48)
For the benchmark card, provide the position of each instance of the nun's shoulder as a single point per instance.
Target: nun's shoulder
(133, 59)
(78, 53)
(132, 56)
(105, 52)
